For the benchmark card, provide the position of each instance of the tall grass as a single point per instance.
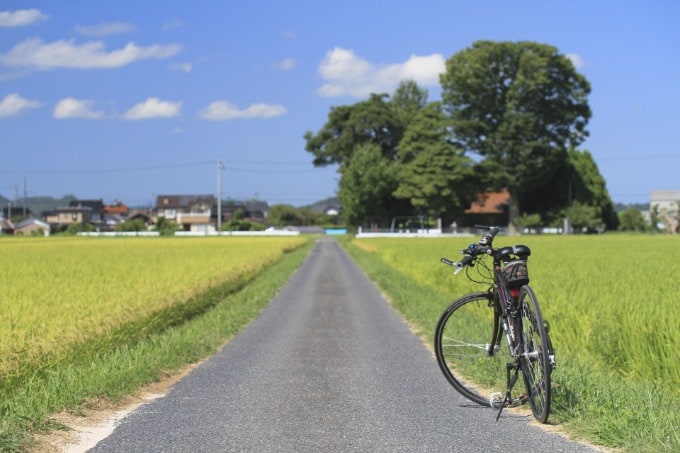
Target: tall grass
(612, 304)
(118, 371)
(67, 297)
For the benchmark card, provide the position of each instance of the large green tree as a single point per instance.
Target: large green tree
(577, 180)
(362, 139)
(519, 106)
(349, 126)
(366, 187)
(434, 173)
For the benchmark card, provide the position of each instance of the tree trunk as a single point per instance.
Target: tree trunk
(513, 216)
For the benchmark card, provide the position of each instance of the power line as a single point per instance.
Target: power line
(109, 170)
(258, 169)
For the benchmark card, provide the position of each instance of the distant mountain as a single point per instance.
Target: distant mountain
(323, 204)
(639, 206)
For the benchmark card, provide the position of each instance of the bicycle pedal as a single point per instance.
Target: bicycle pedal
(496, 400)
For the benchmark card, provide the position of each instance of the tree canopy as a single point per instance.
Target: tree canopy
(511, 116)
(519, 106)
(434, 174)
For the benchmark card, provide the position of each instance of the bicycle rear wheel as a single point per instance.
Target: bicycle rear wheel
(535, 358)
(466, 346)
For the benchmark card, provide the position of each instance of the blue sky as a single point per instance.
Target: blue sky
(129, 100)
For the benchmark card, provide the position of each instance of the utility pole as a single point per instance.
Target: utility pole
(24, 197)
(15, 185)
(219, 195)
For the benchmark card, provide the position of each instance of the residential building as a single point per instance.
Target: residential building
(30, 227)
(192, 212)
(490, 208)
(97, 207)
(6, 226)
(665, 200)
(9, 211)
(667, 204)
(60, 218)
(253, 210)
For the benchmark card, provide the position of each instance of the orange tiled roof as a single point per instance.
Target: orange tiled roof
(490, 203)
(116, 209)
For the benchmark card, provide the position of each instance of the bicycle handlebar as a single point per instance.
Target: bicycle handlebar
(484, 246)
(473, 251)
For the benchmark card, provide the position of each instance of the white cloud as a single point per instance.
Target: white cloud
(153, 108)
(348, 75)
(286, 64)
(577, 60)
(223, 110)
(105, 29)
(21, 17)
(67, 54)
(13, 104)
(69, 108)
(184, 67)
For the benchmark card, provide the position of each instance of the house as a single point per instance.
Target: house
(116, 208)
(60, 218)
(191, 212)
(140, 214)
(332, 210)
(6, 226)
(490, 208)
(7, 212)
(30, 227)
(96, 206)
(253, 210)
(667, 204)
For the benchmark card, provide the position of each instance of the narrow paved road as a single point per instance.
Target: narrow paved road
(328, 366)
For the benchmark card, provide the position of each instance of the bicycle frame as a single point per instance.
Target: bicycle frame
(505, 321)
(516, 315)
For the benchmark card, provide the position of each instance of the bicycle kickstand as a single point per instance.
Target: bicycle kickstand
(510, 382)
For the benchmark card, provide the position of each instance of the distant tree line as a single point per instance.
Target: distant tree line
(512, 116)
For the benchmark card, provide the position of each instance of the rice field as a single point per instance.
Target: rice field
(612, 305)
(59, 292)
(612, 300)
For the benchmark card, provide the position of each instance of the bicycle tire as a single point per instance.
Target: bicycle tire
(535, 359)
(465, 332)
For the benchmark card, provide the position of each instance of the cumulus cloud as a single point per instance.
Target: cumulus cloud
(223, 110)
(348, 75)
(69, 108)
(35, 53)
(13, 105)
(577, 60)
(21, 17)
(105, 29)
(153, 108)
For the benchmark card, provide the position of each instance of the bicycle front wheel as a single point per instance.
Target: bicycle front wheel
(535, 358)
(467, 349)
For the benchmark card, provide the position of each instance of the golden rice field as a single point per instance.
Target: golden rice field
(612, 300)
(56, 292)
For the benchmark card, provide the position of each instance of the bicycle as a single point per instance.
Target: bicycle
(469, 332)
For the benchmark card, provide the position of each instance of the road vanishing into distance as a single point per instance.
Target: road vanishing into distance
(328, 366)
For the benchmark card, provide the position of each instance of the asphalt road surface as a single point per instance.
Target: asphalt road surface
(328, 366)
